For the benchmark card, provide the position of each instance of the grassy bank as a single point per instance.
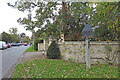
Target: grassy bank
(31, 49)
(48, 68)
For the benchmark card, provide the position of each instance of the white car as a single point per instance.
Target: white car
(3, 45)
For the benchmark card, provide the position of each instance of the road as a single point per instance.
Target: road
(9, 56)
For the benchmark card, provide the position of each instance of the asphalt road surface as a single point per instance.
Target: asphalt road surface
(9, 57)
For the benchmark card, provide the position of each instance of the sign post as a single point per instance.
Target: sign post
(87, 54)
(87, 32)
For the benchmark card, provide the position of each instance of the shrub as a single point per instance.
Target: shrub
(53, 51)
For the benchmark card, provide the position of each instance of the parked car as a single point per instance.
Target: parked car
(3, 45)
(22, 43)
(25, 44)
(8, 45)
(19, 44)
(14, 44)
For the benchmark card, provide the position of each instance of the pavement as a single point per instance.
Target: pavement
(29, 56)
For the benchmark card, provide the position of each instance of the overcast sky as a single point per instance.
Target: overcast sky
(8, 18)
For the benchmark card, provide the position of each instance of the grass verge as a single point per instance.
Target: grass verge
(48, 68)
(31, 49)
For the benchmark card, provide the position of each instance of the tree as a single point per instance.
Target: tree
(104, 34)
(71, 19)
(52, 31)
(13, 30)
(9, 38)
(6, 37)
(43, 13)
(14, 38)
(22, 35)
(38, 33)
(26, 39)
(71, 15)
(106, 14)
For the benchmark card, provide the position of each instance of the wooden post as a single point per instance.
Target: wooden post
(87, 54)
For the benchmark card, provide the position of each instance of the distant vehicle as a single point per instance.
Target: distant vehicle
(25, 44)
(8, 45)
(19, 44)
(14, 44)
(3, 45)
(22, 43)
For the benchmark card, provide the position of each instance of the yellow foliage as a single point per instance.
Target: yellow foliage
(62, 54)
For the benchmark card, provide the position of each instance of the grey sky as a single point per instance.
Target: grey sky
(9, 16)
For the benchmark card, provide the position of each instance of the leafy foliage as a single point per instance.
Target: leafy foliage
(74, 33)
(9, 37)
(49, 30)
(26, 39)
(13, 30)
(5, 37)
(104, 34)
(14, 38)
(69, 16)
(22, 35)
(48, 10)
(106, 14)
(70, 21)
(53, 51)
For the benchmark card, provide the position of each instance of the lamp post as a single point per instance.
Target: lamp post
(87, 32)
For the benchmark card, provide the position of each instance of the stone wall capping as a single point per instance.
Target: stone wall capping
(112, 43)
(83, 42)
